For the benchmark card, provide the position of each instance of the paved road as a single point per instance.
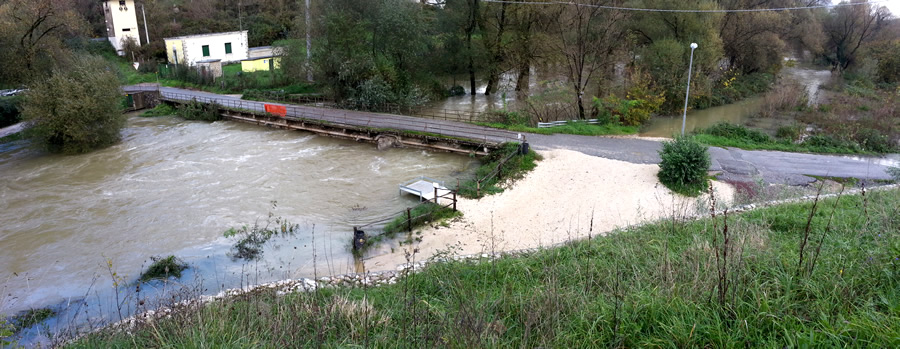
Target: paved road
(6, 131)
(736, 164)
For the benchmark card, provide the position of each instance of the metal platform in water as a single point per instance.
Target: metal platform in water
(424, 188)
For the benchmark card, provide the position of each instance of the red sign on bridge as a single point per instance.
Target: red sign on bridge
(276, 109)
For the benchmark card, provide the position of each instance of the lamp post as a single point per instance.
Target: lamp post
(688, 93)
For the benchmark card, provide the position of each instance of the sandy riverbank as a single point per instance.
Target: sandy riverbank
(553, 204)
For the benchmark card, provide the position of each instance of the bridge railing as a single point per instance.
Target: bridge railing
(468, 116)
(357, 118)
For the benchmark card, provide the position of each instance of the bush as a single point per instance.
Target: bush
(161, 109)
(163, 268)
(507, 117)
(791, 133)
(873, 140)
(732, 131)
(684, 166)
(825, 142)
(195, 110)
(77, 109)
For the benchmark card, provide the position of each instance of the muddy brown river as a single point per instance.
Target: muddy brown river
(174, 186)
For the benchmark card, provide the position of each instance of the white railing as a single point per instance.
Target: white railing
(564, 122)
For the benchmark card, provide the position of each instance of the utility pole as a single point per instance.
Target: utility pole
(240, 15)
(146, 33)
(309, 76)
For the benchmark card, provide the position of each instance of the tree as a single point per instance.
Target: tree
(663, 39)
(752, 41)
(847, 28)
(77, 109)
(586, 37)
(32, 34)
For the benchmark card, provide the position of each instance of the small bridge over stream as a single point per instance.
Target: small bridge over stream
(386, 130)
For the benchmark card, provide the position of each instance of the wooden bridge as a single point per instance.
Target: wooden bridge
(387, 130)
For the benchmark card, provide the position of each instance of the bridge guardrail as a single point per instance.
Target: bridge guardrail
(351, 117)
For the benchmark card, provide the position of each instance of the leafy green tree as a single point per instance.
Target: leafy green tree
(663, 40)
(77, 109)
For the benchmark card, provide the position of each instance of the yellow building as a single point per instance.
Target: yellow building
(261, 64)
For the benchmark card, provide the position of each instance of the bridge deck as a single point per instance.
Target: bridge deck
(445, 128)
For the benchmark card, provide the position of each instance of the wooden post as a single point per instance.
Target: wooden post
(477, 188)
(454, 201)
(408, 220)
(435, 195)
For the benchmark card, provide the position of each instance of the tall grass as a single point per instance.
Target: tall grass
(724, 281)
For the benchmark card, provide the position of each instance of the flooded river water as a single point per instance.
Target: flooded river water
(174, 186)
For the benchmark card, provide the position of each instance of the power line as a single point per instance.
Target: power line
(683, 11)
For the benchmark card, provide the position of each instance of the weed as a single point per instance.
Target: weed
(251, 239)
(163, 267)
(422, 214)
(493, 172)
(32, 317)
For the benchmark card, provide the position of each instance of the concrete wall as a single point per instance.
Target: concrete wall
(189, 49)
(121, 23)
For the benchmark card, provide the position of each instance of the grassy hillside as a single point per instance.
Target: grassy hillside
(743, 280)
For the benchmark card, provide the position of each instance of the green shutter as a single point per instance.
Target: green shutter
(227, 47)
(205, 50)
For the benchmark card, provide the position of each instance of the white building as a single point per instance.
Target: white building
(121, 23)
(190, 49)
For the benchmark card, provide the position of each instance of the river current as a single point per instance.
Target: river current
(173, 187)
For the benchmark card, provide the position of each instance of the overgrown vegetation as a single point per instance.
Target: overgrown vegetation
(31, 317)
(76, 110)
(195, 110)
(684, 165)
(425, 213)
(252, 239)
(491, 176)
(730, 135)
(161, 109)
(163, 267)
(820, 273)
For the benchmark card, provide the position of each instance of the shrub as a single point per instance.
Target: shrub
(732, 131)
(873, 140)
(507, 117)
(684, 166)
(77, 109)
(829, 142)
(195, 110)
(163, 268)
(791, 132)
(161, 109)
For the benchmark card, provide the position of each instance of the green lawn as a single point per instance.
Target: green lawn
(660, 285)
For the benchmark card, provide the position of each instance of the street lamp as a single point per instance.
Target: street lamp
(688, 93)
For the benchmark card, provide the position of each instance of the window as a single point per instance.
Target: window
(265, 61)
(205, 50)
(227, 48)
(122, 3)
(126, 29)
